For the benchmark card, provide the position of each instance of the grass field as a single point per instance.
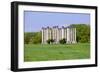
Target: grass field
(46, 52)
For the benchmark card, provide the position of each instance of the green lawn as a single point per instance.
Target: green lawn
(40, 52)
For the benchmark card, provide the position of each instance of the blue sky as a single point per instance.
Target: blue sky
(34, 21)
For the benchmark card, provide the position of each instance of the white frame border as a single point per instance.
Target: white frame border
(22, 64)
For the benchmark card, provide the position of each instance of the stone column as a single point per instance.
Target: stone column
(75, 35)
(50, 33)
(57, 35)
(68, 35)
(42, 35)
(62, 32)
(72, 35)
(45, 35)
(47, 31)
(60, 36)
(65, 33)
(53, 34)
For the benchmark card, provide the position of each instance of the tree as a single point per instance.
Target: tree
(32, 37)
(36, 39)
(27, 37)
(82, 32)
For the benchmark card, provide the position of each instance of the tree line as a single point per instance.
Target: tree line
(82, 35)
(82, 32)
(32, 37)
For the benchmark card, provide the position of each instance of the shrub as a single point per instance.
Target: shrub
(50, 41)
(62, 41)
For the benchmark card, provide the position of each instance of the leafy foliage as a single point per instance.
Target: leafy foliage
(33, 38)
(82, 32)
(27, 37)
(62, 41)
(49, 41)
